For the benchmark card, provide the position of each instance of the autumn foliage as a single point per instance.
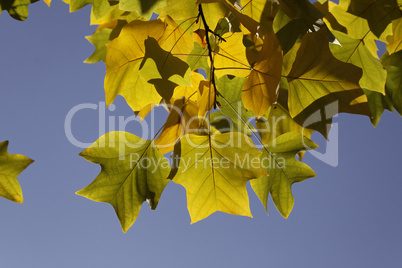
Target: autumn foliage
(214, 64)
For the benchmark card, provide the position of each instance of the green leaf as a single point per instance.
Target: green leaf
(11, 165)
(378, 13)
(143, 7)
(230, 99)
(377, 103)
(393, 87)
(394, 41)
(283, 170)
(133, 171)
(18, 9)
(277, 121)
(198, 58)
(316, 74)
(354, 51)
(294, 19)
(99, 7)
(359, 27)
(99, 39)
(214, 169)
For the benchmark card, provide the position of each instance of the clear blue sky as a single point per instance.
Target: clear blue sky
(348, 216)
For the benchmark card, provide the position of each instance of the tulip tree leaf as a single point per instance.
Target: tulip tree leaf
(143, 7)
(99, 7)
(231, 56)
(125, 56)
(133, 171)
(261, 88)
(18, 9)
(378, 13)
(316, 73)
(393, 87)
(230, 99)
(394, 41)
(11, 165)
(214, 170)
(354, 51)
(283, 170)
(99, 40)
(182, 119)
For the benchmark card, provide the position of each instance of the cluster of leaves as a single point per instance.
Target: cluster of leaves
(213, 64)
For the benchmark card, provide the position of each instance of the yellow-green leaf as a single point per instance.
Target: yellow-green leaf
(99, 39)
(378, 13)
(133, 171)
(182, 119)
(11, 165)
(394, 41)
(316, 73)
(143, 7)
(99, 7)
(230, 99)
(358, 27)
(283, 170)
(214, 170)
(123, 58)
(261, 88)
(393, 87)
(205, 98)
(140, 45)
(18, 9)
(354, 51)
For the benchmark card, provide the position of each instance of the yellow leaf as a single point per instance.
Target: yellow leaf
(214, 170)
(231, 56)
(175, 40)
(47, 2)
(123, 59)
(261, 88)
(127, 54)
(182, 119)
(11, 165)
(206, 97)
(189, 92)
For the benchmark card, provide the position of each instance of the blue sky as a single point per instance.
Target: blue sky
(348, 216)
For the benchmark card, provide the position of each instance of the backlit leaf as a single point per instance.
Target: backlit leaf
(18, 9)
(354, 51)
(230, 99)
(316, 73)
(261, 88)
(393, 87)
(378, 13)
(133, 171)
(99, 39)
(214, 170)
(394, 41)
(182, 119)
(143, 7)
(283, 170)
(231, 56)
(11, 165)
(128, 52)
